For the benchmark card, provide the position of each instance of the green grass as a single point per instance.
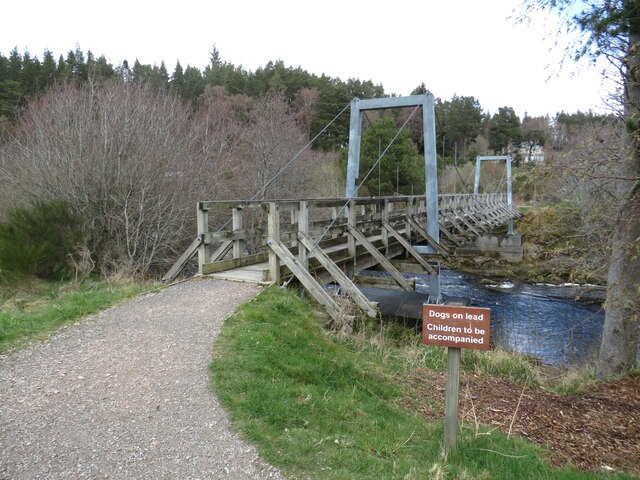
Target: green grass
(400, 349)
(33, 311)
(322, 407)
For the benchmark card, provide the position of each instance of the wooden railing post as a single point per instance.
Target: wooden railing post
(409, 214)
(334, 214)
(202, 219)
(273, 231)
(303, 227)
(385, 219)
(351, 245)
(236, 221)
(293, 220)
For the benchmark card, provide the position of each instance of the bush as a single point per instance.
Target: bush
(37, 240)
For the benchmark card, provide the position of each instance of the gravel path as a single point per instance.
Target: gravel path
(125, 394)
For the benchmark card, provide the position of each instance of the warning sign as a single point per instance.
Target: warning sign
(452, 326)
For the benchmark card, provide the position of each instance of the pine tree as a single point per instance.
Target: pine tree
(177, 79)
(48, 70)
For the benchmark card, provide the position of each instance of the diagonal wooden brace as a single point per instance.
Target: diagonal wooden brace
(438, 246)
(407, 246)
(313, 287)
(189, 253)
(338, 275)
(382, 260)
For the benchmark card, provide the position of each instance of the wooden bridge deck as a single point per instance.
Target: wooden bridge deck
(320, 241)
(257, 273)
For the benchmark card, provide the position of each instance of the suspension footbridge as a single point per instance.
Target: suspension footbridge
(330, 241)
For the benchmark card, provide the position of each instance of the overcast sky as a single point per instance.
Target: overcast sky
(463, 47)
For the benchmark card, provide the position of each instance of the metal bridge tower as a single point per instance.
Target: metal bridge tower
(476, 185)
(427, 103)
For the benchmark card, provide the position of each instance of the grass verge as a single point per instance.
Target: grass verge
(320, 407)
(34, 310)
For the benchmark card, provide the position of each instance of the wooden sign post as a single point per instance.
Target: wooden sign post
(456, 328)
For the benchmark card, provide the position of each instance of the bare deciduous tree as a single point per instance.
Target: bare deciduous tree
(270, 141)
(132, 162)
(121, 156)
(582, 175)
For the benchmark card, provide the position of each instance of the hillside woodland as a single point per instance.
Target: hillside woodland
(124, 152)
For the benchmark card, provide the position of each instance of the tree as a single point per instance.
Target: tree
(15, 65)
(420, 89)
(30, 74)
(401, 169)
(332, 99)
(269, 140)
(459, 122)
(566, 125)
(48, 70)
(193, 84)
(121, 156)
(504, 131)
(217, 130)
(177, 79)
(611, 29)
(76, 65)
(102, 69)
(534, 134)
(10, 97)
(304, 104)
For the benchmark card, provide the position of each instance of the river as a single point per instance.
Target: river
(533, 319)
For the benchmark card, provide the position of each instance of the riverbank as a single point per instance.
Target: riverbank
(330, 405)
(556, 252)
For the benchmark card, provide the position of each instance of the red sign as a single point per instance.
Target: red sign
(452, 326)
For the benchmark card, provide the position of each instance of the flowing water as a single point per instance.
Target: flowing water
(537, 320)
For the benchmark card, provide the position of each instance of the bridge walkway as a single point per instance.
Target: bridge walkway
(319, 241)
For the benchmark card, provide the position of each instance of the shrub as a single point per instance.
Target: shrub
(36, 240)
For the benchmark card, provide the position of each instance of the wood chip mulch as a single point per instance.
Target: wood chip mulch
(596, 430)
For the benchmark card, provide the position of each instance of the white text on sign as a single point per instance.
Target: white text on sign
(454, 326)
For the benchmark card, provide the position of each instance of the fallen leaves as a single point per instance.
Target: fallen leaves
(596, 430)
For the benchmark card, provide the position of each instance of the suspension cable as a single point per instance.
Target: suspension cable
(353, 195)
(293, 159)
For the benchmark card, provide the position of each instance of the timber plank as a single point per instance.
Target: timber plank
(338, 275)
(386, 264)
(232, 263)
(407, 246)
(314, 288)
